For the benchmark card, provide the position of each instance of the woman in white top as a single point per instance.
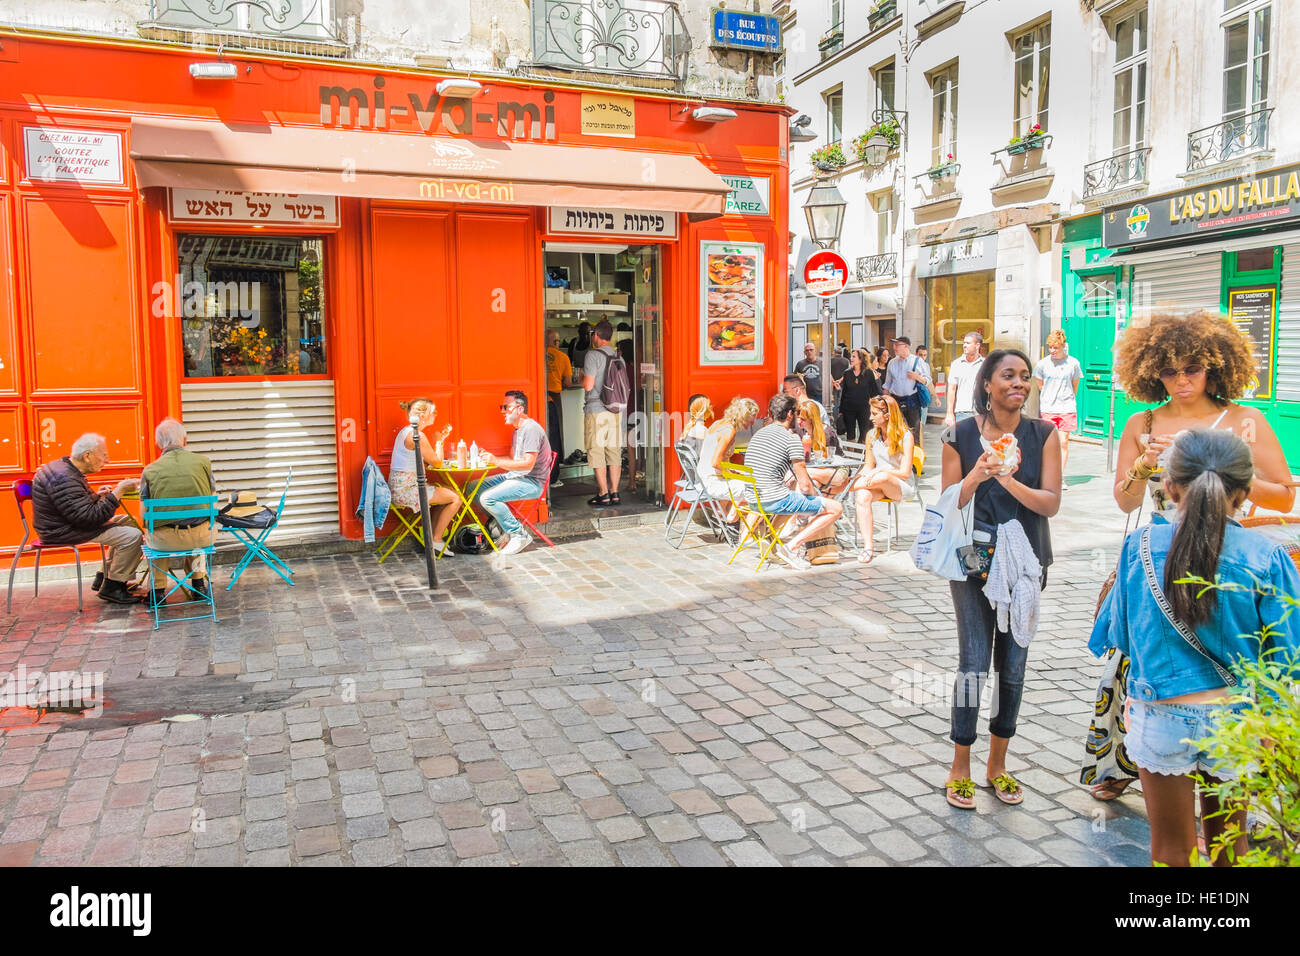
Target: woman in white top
(720, 444)
(890, 475)
(401, 472)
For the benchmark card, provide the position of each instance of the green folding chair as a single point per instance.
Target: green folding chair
(153, 510)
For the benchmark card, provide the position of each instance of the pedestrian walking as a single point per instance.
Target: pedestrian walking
(1022, 489)
(1057, 375)
(1181, 638)
(1198, 365)
(904, 374)
(860, 386)
(961, 380)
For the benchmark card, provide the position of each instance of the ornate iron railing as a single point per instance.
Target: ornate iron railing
(1122, 169)
(871, 267)
(639, 37)
(286, 19)
(1247, 133)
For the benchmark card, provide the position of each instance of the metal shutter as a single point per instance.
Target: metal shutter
(1288, 326)
(1186, 282)
(255, 431)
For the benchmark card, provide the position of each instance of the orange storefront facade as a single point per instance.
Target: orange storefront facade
(415, 227)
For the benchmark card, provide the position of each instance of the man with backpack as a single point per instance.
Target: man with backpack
(609, 387)
(908, 380)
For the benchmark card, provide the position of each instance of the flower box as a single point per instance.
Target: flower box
(1025, 145)
(882, 13)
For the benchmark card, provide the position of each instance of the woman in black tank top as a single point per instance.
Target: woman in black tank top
(1029, 494)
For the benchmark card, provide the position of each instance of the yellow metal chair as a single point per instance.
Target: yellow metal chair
(408, 526)
(891, 506)
(758, 524)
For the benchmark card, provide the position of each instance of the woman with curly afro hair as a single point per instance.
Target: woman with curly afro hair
(1195, 364)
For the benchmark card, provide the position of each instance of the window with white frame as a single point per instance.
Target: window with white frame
(836, 14)
(1130, 77)
(834, 115)
(1032, 51)
(1247, 43)
(884, 77)
(883, 205)
(943, 94)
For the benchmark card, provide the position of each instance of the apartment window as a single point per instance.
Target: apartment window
(883, 205)
(1246, 48)
(1033, 59)
(834, 115)
(884, 77)
(943, 89)
(837, 14)
(1130, 74)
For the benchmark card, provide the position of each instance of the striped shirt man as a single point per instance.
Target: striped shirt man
(771, 451)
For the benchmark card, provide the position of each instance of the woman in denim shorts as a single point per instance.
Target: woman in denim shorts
(1182, 642)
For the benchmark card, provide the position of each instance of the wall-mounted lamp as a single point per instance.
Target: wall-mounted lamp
(712, 114)
(459, 87)
(218, 70)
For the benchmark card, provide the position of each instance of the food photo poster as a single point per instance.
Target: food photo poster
(731, 306)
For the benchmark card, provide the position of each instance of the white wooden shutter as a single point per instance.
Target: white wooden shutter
(1288, 326)
(255, 431)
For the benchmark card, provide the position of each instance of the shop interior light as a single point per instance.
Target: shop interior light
(712, 114)
(218, 70)
(584, 247)
(459, 87)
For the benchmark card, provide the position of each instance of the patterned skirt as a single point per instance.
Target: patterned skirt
(406, 494)
(1105, 757)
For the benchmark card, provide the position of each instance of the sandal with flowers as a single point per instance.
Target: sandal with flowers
(961, 793)
(1006, 789)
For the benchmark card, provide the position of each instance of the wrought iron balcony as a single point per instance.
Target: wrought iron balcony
(873, 267)
(1122, 169)
(1239, 136)
(281, 19)
(632, 37)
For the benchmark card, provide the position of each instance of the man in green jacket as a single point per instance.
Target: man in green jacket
(178, 473)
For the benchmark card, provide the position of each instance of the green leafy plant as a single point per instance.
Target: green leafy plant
(1260, 746)
(944, 167)
(888, 129)
(832, 154)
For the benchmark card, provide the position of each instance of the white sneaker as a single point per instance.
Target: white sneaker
(441, 550)
(793, 558)
(517, 543)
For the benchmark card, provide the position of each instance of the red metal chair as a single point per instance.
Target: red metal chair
(526, 509)
(23, 494)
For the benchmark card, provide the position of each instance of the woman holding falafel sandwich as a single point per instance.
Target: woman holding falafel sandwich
(1194, 366)
(1024, 487)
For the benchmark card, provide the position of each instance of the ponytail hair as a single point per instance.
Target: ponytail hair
(420, 406)
(1209, 467)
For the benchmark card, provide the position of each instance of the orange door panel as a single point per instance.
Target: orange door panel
(8, 370)
(13, 447)
(56, 427)
(80, 295)
(412, 309)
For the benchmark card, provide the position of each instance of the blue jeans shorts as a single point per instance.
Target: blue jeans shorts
(1159, 734)
(795, 503)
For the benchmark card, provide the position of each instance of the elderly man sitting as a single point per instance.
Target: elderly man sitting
(178, 473)
(67, 512)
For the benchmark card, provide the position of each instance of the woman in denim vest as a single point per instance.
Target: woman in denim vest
(1182, 639)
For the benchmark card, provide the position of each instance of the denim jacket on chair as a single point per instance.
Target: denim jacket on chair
(1164, 665)
(375, 499)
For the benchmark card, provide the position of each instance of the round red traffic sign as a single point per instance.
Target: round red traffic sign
(826, 274)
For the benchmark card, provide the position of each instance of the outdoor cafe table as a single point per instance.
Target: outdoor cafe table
(466, 483)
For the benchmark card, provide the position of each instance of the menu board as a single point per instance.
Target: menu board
(731, 306)
(1253, 311)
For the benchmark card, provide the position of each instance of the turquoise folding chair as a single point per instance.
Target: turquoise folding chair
(153, 510)
(255, 544)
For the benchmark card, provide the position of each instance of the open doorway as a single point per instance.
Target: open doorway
(587, 283)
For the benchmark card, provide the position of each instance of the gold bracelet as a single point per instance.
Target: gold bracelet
(1141, 470)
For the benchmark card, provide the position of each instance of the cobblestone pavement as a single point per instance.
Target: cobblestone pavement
(609, 702)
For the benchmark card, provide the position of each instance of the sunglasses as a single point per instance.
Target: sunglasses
(1192, 371)
(506, 408)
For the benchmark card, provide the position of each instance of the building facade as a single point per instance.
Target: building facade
(277, 229)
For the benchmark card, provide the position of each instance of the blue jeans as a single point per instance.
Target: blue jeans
(499, 489)
(979, 644)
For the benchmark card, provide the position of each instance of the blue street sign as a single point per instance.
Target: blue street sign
(737, 30)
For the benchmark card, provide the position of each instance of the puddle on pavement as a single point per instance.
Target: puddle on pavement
(152, 699)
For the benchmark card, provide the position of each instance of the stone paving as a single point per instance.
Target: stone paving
(612, 701)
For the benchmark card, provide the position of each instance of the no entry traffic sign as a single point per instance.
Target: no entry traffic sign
(826, 274)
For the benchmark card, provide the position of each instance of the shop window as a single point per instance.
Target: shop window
(943, 90)
(1033, 60)
(1257, 260)
(1130, 80)
(251, 305)
(1246, 49)
(959, 305)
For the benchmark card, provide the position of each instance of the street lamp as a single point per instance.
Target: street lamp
(876, 150)
(421, 485)
(825, 213)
